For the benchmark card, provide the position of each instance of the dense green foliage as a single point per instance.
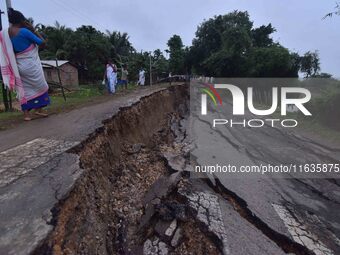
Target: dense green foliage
(89, 49)
(177, 55)
(327, 101)
(229, 46)
(310, 64)
(226, 45)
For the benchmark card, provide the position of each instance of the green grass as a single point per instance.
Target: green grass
(309, 125)
(322, 131)
(85, 94)
(313, 126)
(9, 115)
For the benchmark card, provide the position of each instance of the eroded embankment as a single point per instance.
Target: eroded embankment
(135, 196)
(108, 212)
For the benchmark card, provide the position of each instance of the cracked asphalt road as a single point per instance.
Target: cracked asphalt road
(305, 209)
(36, 171)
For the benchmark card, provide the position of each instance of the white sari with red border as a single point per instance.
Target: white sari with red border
(31, 73)
(21, 72)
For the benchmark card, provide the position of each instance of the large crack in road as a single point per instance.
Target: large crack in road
(136, 198)
(136, 194)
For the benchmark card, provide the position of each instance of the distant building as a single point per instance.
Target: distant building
(68, 73)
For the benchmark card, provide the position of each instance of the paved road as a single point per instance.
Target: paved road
(36, 171)
(34, 161)
(72, 126)
(303, 209)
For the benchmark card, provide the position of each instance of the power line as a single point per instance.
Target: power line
(76, 12)
(83, 14)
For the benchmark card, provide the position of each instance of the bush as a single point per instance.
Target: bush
(326, 109)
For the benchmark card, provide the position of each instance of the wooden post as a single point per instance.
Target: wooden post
(59, 77)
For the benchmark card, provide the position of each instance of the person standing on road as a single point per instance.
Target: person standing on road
(141, 80)
(21, 66)
(111, 76)
(124, 78)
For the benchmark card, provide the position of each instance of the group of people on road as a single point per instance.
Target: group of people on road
(111, 77)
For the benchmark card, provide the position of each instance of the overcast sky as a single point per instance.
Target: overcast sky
(150, 23)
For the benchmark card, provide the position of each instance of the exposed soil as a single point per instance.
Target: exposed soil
(134, 197)
(108, 212)
(195, 240)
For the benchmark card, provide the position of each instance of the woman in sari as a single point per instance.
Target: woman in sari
(25, 41)
(111, 76)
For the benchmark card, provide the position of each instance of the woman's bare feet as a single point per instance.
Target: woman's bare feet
(27, 116)
(41, 113)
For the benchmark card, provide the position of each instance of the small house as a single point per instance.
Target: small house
(68, 73)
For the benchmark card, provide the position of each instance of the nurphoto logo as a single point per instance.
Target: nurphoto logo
(297, 100)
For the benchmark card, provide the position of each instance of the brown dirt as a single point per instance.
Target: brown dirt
(122, 160)
(195, 242)
(89, 221)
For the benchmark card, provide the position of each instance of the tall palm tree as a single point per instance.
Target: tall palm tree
(58, 35)
(120, 46)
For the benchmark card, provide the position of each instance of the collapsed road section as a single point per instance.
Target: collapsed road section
(124, 190)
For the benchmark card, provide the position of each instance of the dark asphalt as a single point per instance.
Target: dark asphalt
(306, 209)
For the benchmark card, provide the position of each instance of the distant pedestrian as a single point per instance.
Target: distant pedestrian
(124, 77)
(141, 80)
(21, 66)
(111, 76)
(170, 78)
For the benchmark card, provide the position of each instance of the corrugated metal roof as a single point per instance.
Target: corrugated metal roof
(49, 63)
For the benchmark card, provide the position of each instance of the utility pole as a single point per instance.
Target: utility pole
(150, 69)
(8, 4)
(1, 12)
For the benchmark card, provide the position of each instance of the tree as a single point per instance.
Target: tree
(177, 55)
(137, 61)
(273, 61)
(310, 64)
(121, 47)
(90, 50)
(229, 46)
(58, 37)
(261, 36)
(323, 75)
(160, 64)
(335, 12)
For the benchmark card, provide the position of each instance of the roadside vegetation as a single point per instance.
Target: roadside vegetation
(224, 46)
(324, 106)
(86, 94)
